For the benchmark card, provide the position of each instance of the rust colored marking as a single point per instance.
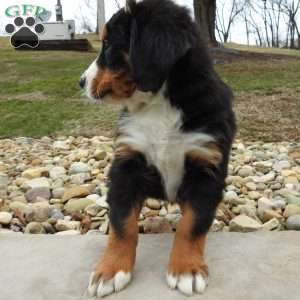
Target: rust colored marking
(187, 253)
(120, 252)
(117, 84)
(124, 151)
(212, 157)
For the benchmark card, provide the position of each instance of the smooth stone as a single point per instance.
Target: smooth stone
(281, 165)
(291, 180)
(57, 172)
(243, 224)
(267, 215)
(18, 206)
(173, 208)
(246, 171)
(75, 192)
(291, 209)
(247, 210)
(3, 167)
(293, 222)
(287, 173)
(153, 204)
(37, 182)
(34, 228)
(80, 178)
(264, 178)
(254, 195)
(157, 225)
(77, 205)
(3, 180)
(101, 201)
(100, 154)
(163, 212)
(5, 218)
(291, 199)
(79, 167)
(58, 193)
(63, 225)
(35, 173)
(102, 213)
(276, 186)
(261, 186)
(265, 204)
(237, 181)
(16, 225)
(42, 192)
(39, 212)
(232, 198)
(93, 209)
(217, 226)
(251, 186)
(56, 214)
(104, 228)
(271, 224)
(48, 228)
(61, 145)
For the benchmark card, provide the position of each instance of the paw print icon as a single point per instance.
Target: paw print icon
(25, 32)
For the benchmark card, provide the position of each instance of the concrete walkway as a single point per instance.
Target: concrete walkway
(256, 266)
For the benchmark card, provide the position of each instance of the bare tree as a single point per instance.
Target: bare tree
(118, 4)
(205, 15)
(86, 15)
(291, 9)
(226, 19)
(274, 13)
(100, 16)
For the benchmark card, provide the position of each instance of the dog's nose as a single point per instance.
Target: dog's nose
(82, 82)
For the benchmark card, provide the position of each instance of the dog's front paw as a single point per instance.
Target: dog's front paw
(102, 284)
(188, 283)
(188, 275)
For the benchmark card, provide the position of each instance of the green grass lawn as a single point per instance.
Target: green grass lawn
(39, 95)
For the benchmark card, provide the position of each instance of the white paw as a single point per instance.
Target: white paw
(188, 284)
(102, 288)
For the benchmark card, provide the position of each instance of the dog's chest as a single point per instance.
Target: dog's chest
(155, 131)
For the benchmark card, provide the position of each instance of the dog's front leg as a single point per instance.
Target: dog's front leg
(199, 196)
(114, 271)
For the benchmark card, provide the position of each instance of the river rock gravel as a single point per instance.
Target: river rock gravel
(59, 186)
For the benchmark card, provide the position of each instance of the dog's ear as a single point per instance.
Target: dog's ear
(154, 49)
(130, 6)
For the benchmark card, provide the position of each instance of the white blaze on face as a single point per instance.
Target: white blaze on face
(90, 74)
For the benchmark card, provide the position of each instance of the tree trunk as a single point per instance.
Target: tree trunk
(100, 16)
(205, 15)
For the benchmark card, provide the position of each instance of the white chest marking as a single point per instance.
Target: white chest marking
(154, 130)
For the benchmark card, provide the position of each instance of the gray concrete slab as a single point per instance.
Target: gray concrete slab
(253, 266)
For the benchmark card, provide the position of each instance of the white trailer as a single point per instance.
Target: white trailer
(58, 31)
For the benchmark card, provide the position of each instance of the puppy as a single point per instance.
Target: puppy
(173, 142)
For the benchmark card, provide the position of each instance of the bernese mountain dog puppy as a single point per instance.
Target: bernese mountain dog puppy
(173, 141)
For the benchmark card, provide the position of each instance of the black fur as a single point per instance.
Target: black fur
(165, 45)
